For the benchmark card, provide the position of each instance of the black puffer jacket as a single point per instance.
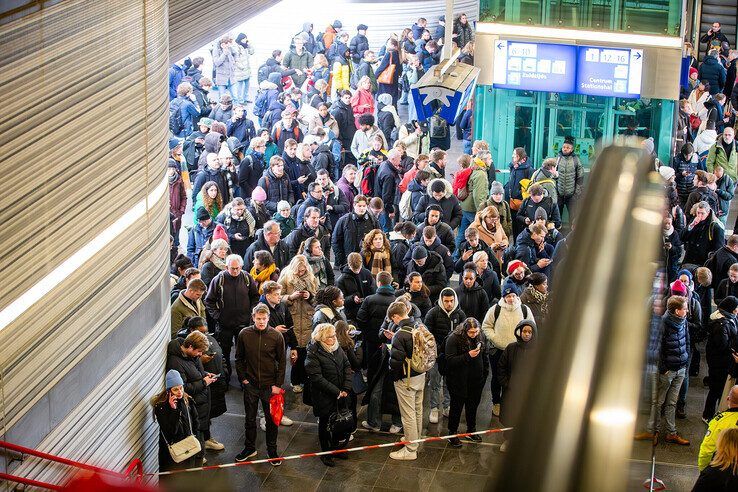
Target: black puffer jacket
(281, 253)
(355, 284)
(440, 322)
(192, 372)
(373, 311)
(402, 349)
(277, 189)
(722, 340)
(464, 374)
(399, 247)
(328, 374)
(443, 233)
(433, 272)
(490, 282)
(702, 239)
(514, 361)
(474, 302)
(344, 115)
(420, 300)
(176, 424)
(348, 234)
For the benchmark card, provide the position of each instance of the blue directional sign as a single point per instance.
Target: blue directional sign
(535, 66)
(613, 72)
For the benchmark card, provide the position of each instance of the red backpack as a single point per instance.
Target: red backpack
(368, 175)
(461, 180)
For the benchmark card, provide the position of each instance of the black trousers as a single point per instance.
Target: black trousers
(225, 337)
(470, 403)
(716, 379)
(495, 387)
(570, 203)
(251, 398)
(298, 374)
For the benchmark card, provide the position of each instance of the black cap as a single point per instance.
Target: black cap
(419, 253)
(202, 214)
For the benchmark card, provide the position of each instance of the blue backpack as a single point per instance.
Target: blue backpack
(176, 123)
(260, 105)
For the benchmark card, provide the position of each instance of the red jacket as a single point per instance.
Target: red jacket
(177, 197)
(362, 103)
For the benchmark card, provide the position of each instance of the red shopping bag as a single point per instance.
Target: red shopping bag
(276, 407)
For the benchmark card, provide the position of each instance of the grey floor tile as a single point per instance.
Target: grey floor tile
(404, 478)
(280, 482)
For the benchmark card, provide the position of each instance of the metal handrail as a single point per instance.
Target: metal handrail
(575, 428)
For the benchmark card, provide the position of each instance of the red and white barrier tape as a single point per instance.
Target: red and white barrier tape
(334, 452)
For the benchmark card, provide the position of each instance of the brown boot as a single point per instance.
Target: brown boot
(676, 439)
(644, 436)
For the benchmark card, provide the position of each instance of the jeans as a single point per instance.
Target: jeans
(682, 400)
(570, 203)
(669, 384)
(466, 219)
(386, 223)
(222, 89)
(434, 381)
(241, 91)
(374, 409)
(410, 399)
(470, 402)
(412, 113)
(251, 398)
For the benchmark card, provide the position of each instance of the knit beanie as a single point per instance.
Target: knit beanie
(496, 187)
(202, 214)
(510, 287)
(729, 304)
(678, 288)
(220, 233)
(419, 253)
(514, 265)
(541, 214)
(173, 379)
(686, 272)
(666, 172)
(259, 194)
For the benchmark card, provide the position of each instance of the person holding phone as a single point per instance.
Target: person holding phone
(176, 413)
(467, 368)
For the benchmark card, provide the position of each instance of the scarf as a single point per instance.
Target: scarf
(217, 262)
(330, 348)
(668, 232)
(541, 299)
(263, 276)
(173, 178)
(318, 266)
(380, 261)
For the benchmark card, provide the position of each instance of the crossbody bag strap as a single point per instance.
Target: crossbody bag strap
(189, 422)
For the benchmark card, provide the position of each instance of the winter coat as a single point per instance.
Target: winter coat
(724, 258)
(361, 140)
(373, 311)
(216, 175)
(281, 252)
(674, 353)
(699, 194)
(547, 181)
(243, 129)
(177, 197)
(250, 170)
(528, 211)
(465, 375)
(441, 322)
(685, 184)
(713, 479)
(355, 284)
(197, 239)
(362, 102)
(474, 302)
(385, 185)
(717, 156)
(526, 250)
(704, 141)
(433, 273)
(416, 143)
(571, 175)
(478, 186)
(192, 372)
(341, 73)
(338, 202)
(390, 58)
(721, 341)
(301, 309)
(358, 45)
(222, 113)
(245, 226)
(242, 64)
(699, 241)
(724, 289)
(501, 332)
(523, 171)
(280, 134)
(184, 308)
(261, 357)
(348, 189)
(224, 64)
(297, 237)
(302, 62)
(348, 234)
(464, 32)
(344, 116)
(713, 72)
(176, 425)
(277, 189)
(399, 247)
(450, 207)
(725, 192)
(229, 299)
(535, 303)
(514, 361)
(328, 374)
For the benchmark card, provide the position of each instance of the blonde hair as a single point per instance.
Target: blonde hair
(289, 275)
(257, 142)
(320, 331)
(726, 454)
(320, 60)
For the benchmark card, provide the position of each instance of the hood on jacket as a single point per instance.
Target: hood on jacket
(267, 85)
(307, 26)
(175, 348)
(510, 307)
(519, 330)
(414, 185)
(396, 236)
(717, 314)
(276, 79)
(276, 105)
(212, 142)
(449, 188)
(448, 291)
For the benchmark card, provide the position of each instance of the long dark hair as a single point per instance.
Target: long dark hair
(424, 290)
(466, 326)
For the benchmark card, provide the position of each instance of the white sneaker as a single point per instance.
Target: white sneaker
(214, 445)
(351, 437)
(446, 411)
(404, 455)
(263, 424)
(433, 418)
(286, 421)
(366, 425)
(394, 430)
(297, 388)
(503, 447)
(496, 409)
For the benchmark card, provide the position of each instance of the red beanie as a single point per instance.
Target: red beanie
(220, 233)
(514, 265)
(678, 288)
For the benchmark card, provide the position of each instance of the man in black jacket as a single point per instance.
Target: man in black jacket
(702, 236)
(372, 313)
(344, 115)
(336, 204)
(268, 239)
(432, 242)
(385, 186)
(724, 258)
(429, 265)
(310, 227)
(260, 364)
(408, 387)
(356, 283)
(434, 218)
(350, 229)
(229, 300)
(441, 320)
(440, 193)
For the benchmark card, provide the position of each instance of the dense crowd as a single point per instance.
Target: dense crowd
(323, 211)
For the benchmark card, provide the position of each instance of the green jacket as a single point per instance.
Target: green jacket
(183, 308)
(544, 178)
(478, 186)
(717, 156)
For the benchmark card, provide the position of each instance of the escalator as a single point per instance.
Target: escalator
(722, 11)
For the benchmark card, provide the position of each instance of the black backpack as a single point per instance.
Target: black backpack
(176, 123)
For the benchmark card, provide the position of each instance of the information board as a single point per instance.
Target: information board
(535, 66)
(614, 72)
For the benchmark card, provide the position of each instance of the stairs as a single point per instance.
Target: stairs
(722, 11)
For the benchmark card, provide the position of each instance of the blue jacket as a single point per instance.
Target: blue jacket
(176, 74)
(197, 239)
(358, 45)
(725, 191)
(512, 187)
(712, 71)
(674, 352)
(527, 251)
(417, 191)
(190, 115)
(243, 129)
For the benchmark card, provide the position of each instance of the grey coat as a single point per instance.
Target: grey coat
(224, 63)
(571, 176)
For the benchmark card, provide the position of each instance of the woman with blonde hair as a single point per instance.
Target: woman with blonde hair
(299, 287)
(376, 252)
(721, 475)
(210, 198)
(329, 373)
(362, 102)
(212, 261)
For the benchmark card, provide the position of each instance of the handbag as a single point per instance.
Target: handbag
(515, 204)
(387, 76)
(187, 447)
(341, 423)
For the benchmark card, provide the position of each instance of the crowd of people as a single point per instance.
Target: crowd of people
(324, 212)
